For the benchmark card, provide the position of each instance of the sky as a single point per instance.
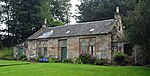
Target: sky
(73, 11)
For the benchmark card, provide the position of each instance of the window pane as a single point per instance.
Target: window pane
(39, 51)
(84, 48)
(92, 41)
(88, 45)
(45, 50)
(84, 45)
(63, 43)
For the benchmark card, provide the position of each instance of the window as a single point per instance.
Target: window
(128, 49)
(87, 45)
(63, 43)
(119, 28)
(92, 45)
(84, 45)
(45, 50)
(39, 51)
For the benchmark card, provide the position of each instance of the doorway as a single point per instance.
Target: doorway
(63, 49)
(21, 51)
(63, 53)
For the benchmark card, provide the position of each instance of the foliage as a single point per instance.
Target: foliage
(23, 57)
(25, 17)
(43, 60)
(57, 23)
(137, 24)
(101, 61)
(52, 60)
(86, 58)
(76, 61)
(60, 10)
(95, 10)
(119, 57)
(39, 57)
(66, 60)
(6, 53)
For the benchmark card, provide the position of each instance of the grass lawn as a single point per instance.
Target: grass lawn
(11, 63)
(62, 69)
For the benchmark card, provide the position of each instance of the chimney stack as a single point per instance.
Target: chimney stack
(117, 9)
(45, 23)
(117, 14)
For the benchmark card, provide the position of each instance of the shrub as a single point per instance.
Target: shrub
(39, 57)
(43, 60)
(23, 57)
(119, 58)
(86, 58)
(6, 53)
(52, 60)
(76, 61)
(66, 61)
(101, 61)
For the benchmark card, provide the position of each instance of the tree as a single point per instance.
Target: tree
(25, 17)
(60, 10)
(95, 10)
(138, 24)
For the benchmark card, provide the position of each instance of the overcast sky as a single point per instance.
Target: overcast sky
(73, 2)
(73, 8)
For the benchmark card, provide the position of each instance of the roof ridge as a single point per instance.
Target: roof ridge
(80, 23)
(93, 21)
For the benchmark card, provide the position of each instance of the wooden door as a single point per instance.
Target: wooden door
(63, 53)
(21, 51)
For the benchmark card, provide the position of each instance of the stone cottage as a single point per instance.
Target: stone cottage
(99, 38)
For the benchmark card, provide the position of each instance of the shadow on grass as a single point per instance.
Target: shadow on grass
(5, 65)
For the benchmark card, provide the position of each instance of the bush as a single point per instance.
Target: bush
(86, 58)
(101, 61)
(119, 58)
(6, 53)
(39, 57)
(23, 57)
(43, 60)
(52, 60)
(76, 61)
(66, 61)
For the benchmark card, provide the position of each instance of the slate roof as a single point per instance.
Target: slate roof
(87, 28)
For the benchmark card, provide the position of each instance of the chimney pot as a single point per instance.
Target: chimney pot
(117, 9)
(45, 23)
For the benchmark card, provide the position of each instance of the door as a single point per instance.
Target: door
(63, 53)
(21, 50)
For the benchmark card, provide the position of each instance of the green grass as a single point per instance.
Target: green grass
(62, 69)
(11, 63)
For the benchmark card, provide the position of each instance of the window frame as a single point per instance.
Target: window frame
(88, 46)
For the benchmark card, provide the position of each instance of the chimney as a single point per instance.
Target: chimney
(117, 9)
(117, 14)
(45, 23)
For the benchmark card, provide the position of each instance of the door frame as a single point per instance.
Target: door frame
(60, 46)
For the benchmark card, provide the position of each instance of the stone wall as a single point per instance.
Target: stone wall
(138, 55)
(53, 48)
(32, 47)
(73, 47)
(103, 46)
(102, 50)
